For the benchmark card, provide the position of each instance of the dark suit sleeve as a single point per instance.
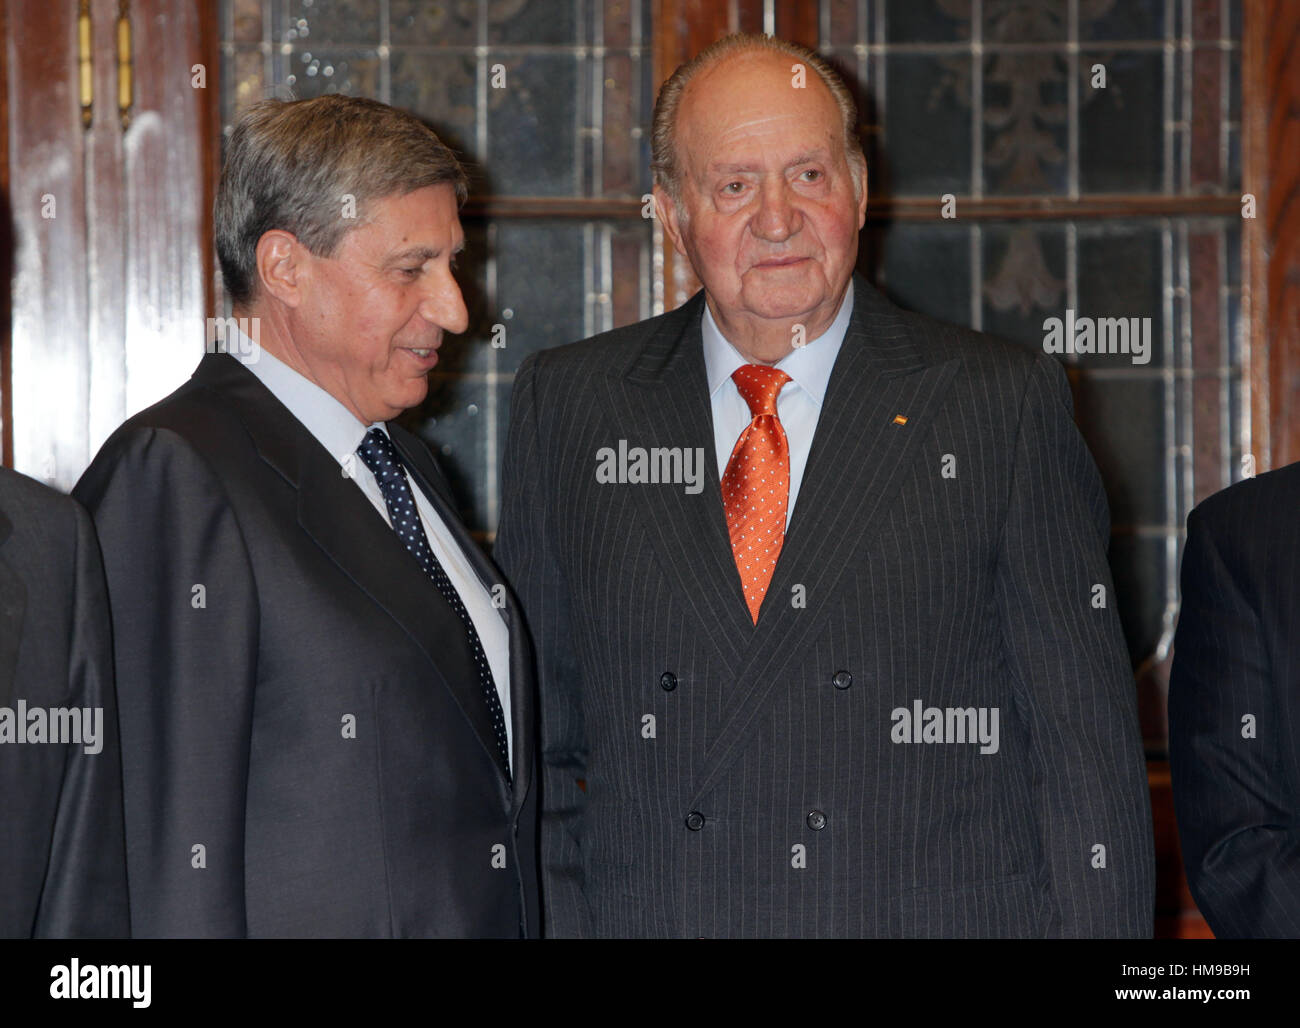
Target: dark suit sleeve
(84, 894)
(185, 624)
(1073, 678)
(1232, 796)
(525, 551)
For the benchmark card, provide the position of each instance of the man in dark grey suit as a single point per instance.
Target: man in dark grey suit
(325, 693)
(62, 858)
(827, 638)
(1234, 708)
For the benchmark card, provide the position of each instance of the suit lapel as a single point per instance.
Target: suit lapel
(858, 459)
(346, 526)
(13, 606)
(663, 400)
(425, 471)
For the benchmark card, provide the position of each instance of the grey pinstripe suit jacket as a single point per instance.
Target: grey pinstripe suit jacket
(706, 777)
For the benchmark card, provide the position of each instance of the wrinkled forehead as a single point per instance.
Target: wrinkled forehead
(423, 221)
(759, 101)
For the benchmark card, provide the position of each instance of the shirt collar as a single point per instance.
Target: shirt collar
(332, 424)
(809, 365)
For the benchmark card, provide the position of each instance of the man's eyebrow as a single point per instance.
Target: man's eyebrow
(413, 253)
(422, 253)
(730, 168)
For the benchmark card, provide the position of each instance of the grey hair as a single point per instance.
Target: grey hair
(292, 165)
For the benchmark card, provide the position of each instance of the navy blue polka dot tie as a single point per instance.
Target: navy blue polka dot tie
(381, 458)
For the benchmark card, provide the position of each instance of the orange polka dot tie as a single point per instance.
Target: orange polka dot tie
(756, 484)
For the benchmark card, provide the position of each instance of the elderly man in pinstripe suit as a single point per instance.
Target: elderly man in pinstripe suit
(867, 680)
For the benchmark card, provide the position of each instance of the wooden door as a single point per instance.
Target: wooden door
(108, 177)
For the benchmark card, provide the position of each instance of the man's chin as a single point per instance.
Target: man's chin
(801, 296)
(412, 394)
(415, 396)
(785, 308)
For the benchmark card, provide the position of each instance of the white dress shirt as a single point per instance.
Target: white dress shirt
(336, 429)
(798, 405)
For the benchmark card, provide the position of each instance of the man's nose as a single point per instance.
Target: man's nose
(444, 305)
(777, 217)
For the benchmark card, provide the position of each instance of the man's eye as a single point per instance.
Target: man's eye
(733, 187)
(412, 272)
(814, 173)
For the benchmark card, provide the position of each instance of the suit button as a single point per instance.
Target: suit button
(842, 680)
(816, 820)
(668, 681)
(694, 820)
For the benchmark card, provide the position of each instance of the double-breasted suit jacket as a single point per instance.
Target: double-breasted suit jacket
(946, 559)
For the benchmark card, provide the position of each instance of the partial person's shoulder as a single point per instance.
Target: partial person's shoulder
(980, 354)
(1255, 507)
(1249, 529)
(192, 410)
(1003, 383)
(46, 537)
(195, 416)
(35, 509)
(617, 348)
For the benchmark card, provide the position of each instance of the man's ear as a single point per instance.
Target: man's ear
(281, 266)
(666, 212)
